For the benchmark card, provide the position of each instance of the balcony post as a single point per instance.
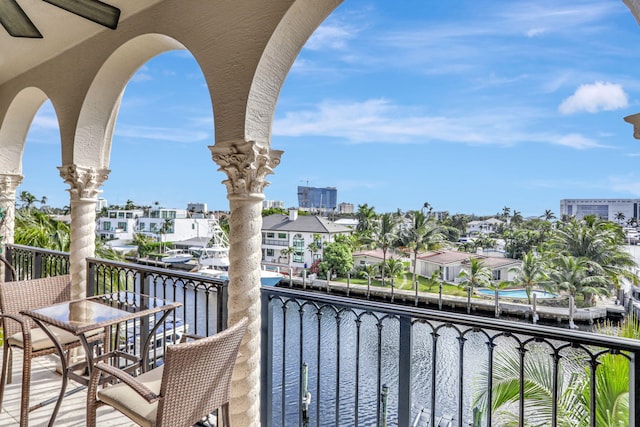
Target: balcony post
(634, 377)
(84, 183)
(8, 185)
(404, 367)
(246, 163)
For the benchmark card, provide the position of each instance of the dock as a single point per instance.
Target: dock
(604, 309)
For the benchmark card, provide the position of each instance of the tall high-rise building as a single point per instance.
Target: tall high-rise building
(324, 199)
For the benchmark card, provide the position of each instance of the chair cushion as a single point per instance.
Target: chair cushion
(40, 340)
(130, 403)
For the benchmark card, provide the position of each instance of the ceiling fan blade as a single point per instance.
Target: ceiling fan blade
(93, 10)
(16, 22)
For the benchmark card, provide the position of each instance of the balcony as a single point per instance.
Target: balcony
(365, 362)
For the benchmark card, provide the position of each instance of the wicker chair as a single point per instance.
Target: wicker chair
(194, 380)
(20, 332)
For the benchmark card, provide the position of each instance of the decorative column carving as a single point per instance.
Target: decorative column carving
(246, 165)
(634, 119)
(8, 185)
(84, 183)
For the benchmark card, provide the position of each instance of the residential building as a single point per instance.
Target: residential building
(345, 208)
(120, 225)
(272, 204)
(297, 231)
(374, 257)
(618, 210)
(101, 204)
(451, 263)
(488, 226)
(197, 210)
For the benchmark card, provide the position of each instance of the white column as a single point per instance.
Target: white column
(246, 165)
(84, 183)
(8, 185)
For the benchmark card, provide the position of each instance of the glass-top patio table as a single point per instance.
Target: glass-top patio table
(86, 317)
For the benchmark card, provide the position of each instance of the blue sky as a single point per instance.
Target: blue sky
(468, 105)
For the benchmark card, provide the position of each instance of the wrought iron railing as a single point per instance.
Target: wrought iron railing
(33, 263)
(204, 299)
(372, 363)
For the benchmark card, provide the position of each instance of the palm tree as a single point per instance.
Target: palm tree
(506, 211)
(619, 216)
(548, 215)
(574, 402)
(167, 226)
(386, 236)
(475, 275)
(394, 267)
(421, 234)
(27, 199)
(599, 241)
(369, 271)
(287, 252)
(497, 287)
(517, 218)
(531, 274)
(34, 228)
(579, 276)
(366, 218)
(538, 387)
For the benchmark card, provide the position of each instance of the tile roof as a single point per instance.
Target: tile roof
(302, 224)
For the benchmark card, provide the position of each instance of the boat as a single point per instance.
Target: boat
(267, 277)
(130, 337)
(176, 256)
(213, 260)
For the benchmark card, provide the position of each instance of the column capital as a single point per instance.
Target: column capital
(9, 182)
(246, 164)
(634, 119)
(84, 181)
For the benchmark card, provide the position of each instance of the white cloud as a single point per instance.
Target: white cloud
(161, 134)
(535, 32)
(599, 96)
(577, 141)
(332, 36)
(381, 121)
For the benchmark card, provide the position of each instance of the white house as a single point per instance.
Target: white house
(374, 256)
(121, 225)
(450, 263)
(297, 231)
(488, 226)
(118, 224)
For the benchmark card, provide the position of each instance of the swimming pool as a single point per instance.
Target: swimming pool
(516, 293)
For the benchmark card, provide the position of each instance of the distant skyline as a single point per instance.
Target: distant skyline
(470, 106)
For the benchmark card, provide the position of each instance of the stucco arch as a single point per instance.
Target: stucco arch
(15, 127)
(93, 137)
(293, 31)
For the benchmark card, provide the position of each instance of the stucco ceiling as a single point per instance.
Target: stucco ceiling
(60, 30)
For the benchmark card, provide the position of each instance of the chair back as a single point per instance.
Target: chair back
(197, 376)
(29, 294)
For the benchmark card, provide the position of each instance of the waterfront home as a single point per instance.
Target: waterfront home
(450, 263)
(488, 226)
(281, 232)
(374, 257)
(162, 224)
